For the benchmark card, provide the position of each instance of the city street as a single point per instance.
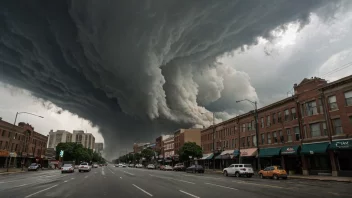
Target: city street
(131, 182)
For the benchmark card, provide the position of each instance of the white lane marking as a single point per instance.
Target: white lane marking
(102, 171)
(189, 194)
(142, 190)
(172, 179)
(86, 177)
(21, 185)
(202, 177)
(128, 173)
(111, 171)
(120, 177)
(65, 181)
(72, 178)
(41, 191)
(221, 186)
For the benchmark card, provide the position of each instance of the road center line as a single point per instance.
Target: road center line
(221, 186)
(128, 173)
(102, 171)
(189, 194)
(172, 179)
(41, 191)
(258, 184)
(142, 190)
(111, 171)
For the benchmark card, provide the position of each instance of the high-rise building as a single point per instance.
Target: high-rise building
(99, 147)
(57, 137)
(86, 139)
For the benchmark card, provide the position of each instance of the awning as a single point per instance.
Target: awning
(290, 150)
(233, 153)
(314, 148)
(223, 157)
(207, 156)
(341, 145)
(248, 152)
(269, 152)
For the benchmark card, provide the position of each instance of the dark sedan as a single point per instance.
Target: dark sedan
(195, 169)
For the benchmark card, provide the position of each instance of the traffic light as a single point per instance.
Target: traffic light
(61, 153)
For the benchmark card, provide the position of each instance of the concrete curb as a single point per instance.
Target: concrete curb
(322, 179)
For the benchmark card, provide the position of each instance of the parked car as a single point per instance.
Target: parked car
(131, 165)
(195, 169)
(151, 166)
(179, 167)
(168, 168)
(121, 165)
(239, 170)
(162, 167)
(67, 168)
(34, 167)
(275, 172)
(84, 167)
(139, 166)
(95, 166)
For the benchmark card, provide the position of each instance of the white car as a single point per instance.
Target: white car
(139, 166)
(95, 166)
(168, 168)
(151, 166)
(67, 168)
(34, 167)
(84, 167)
(122, 165)
(239, 170)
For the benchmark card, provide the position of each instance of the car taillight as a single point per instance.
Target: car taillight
(243, 169)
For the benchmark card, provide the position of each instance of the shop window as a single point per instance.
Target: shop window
(262, 122)
(275, 137)
(348, 98)
(332, 103)
(293, 113)
(320, 163)
(287, 115)
(269, 138)
(263, 139)
(311, 108)
(274, 118)
(320, 104)
(289, 136)
(337, 126)
(315, 130)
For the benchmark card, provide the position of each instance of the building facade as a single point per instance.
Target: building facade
(57, 137)
(86, 139)
(21, 143)
(169, 148)
(99, 147)
(182, 136)
(306, 133)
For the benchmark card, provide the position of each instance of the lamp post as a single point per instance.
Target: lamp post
(256, 125)
(10, 141)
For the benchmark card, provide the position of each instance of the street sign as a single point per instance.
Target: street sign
(61, 153)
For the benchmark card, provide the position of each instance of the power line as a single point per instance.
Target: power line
(337, 69)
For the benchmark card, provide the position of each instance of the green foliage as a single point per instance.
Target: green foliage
(76, 152)
(147, 154)
(190, 149)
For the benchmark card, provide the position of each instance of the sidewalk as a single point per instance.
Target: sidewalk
(321, 178)
(11, 170)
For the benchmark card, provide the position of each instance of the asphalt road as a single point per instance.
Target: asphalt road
(131, 182)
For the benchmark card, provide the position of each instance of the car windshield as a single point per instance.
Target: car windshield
(248, 166)
(33, 164)
(279, 168)
(67, 165)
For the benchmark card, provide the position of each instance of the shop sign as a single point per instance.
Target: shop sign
(13, 154)
(289, 150)
(342, 144)
(4, 153)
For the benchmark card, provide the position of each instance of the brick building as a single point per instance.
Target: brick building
(169, 149)
(299, 132)
(22, 142)
(182, 136)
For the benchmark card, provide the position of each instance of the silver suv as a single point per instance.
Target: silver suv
(239, 170)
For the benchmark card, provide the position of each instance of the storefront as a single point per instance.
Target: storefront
(3, 156)
(227, 157)
(248, 156)
(205, 161)
(343, 152)
(316, 158)
(292, 161)
(270, 157)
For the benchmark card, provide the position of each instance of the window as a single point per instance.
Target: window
(243, 142)
(289, 136)
(248, 141)
(9, 134)
(254, 140)
(269, 138)
(268, 121)
(253, 126)
(293, 113)
(348, 98)
(287, 115)
(249, 126)
(262, 122)
(305, 131)
(320, 104)
(332, 103)
(263, 139)
(3, 133)
(312, 108)
(274, 118)
(282, 139)
(243, 127)
(325, 131)
(337, 126)
(279, 118)
(315, 130)
(275, 137)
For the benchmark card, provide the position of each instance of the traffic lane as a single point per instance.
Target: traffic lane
(269, 187)
(24, 175)
(161, 184)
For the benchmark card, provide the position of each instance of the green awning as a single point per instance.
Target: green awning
(290, 150)
(207, 156)
(314, 148)
(269, 152)
(341, 145)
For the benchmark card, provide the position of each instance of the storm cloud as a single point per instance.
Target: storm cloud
(136, 68)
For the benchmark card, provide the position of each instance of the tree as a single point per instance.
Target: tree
(190, 149)
(147, 154)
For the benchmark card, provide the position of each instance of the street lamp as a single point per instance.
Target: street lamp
(256, 125)
(10, 141)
